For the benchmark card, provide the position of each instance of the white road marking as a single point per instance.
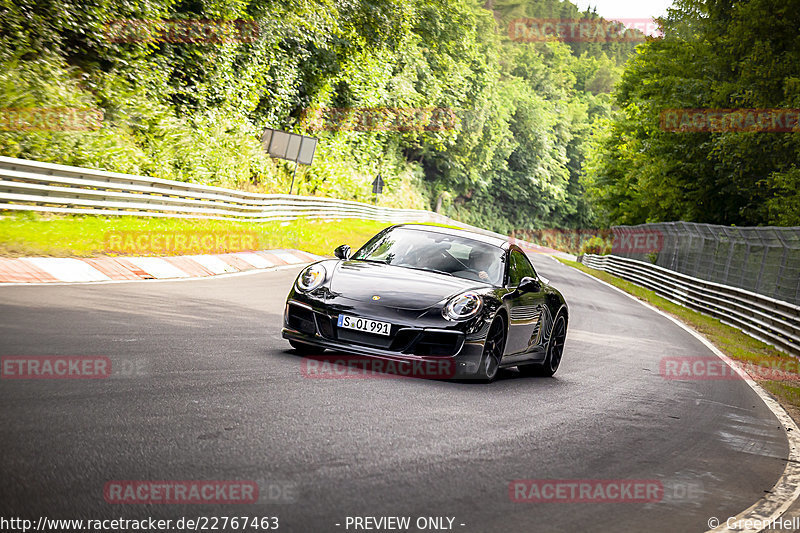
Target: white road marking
(787, 489)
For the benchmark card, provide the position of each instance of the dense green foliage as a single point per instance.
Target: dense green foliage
(718, 55)
(536, 138)
(512, 157)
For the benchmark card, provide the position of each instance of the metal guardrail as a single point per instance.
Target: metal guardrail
(35, 186)
(761, 259)
(773, 321)
(27, 185)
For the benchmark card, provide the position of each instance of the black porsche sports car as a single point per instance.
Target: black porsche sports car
(427, 293)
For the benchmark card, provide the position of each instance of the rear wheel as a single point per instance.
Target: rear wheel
(305, 349)
(555, 349)
(493, 350)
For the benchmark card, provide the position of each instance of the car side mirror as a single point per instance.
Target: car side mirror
(342, 252)
(529, 284)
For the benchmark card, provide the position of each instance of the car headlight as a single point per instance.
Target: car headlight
(311, 278)
(465, 305)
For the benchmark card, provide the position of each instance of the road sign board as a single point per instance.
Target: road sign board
(377, 185)
(289, 146)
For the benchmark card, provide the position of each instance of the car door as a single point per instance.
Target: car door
(524, 309)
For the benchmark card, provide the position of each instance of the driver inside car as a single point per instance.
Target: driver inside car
(482, 262)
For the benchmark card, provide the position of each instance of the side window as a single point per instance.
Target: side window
(518, 268)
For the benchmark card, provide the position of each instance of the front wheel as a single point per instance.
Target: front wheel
(493, 350)
(555, 349)
(305, 349)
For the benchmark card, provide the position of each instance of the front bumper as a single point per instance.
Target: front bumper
(407, 344)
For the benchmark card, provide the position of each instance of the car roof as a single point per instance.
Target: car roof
(488, 239)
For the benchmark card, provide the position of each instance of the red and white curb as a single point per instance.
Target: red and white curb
(74, 270)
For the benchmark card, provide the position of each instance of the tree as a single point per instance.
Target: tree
(713, 55)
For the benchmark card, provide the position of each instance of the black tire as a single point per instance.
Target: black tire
(493, 350)
(305, 349)
(555, 350)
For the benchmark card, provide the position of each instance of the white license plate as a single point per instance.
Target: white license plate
(364, 324)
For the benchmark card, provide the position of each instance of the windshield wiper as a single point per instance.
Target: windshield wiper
(384, 262)
(428, 270)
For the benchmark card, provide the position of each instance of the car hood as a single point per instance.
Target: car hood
(396, 287)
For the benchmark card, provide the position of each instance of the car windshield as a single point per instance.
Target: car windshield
(438, 252)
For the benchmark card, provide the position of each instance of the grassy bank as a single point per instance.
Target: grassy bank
(85, 236)
(774, 370)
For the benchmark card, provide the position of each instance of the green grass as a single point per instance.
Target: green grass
(85, 236)
(730, 341)
(787, 394)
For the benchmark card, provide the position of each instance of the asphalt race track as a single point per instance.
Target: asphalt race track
(214, 393)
